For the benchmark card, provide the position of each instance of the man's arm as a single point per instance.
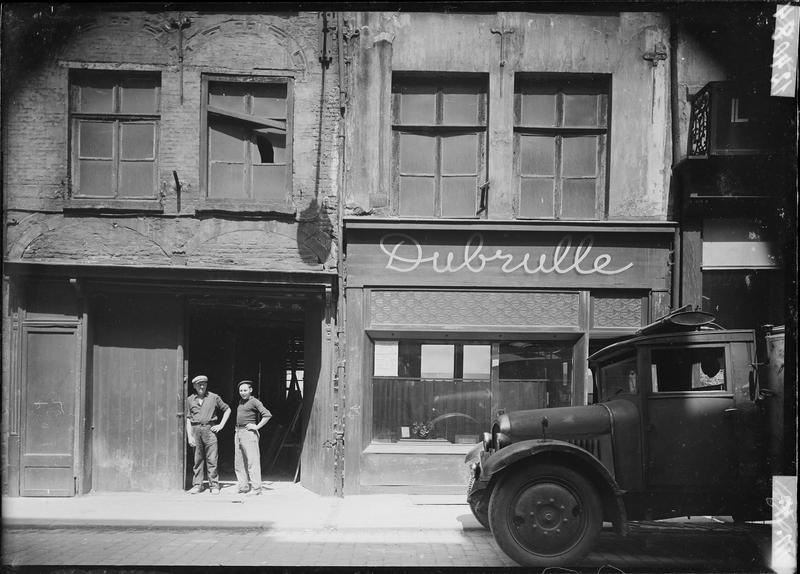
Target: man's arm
(221, 425)
(265, 416)
(189, 431)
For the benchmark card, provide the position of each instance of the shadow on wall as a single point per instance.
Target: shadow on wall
(315, 234)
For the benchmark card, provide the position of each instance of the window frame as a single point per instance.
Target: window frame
(117, 119)
(248, 204)
(438, 82)
(562, 84)
(725, 367)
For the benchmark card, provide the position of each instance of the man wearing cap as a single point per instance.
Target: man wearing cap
(251, 415)
(202, 429)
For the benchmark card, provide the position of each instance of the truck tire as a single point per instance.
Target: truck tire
(545, 515)
(481, 515)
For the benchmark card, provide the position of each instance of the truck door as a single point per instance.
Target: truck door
(690, 422)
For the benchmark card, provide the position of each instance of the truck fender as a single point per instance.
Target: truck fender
(569, 454)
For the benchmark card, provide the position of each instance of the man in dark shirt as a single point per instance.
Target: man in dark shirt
(251, 415)
(202, 429)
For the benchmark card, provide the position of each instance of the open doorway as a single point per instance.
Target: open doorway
(260, 340)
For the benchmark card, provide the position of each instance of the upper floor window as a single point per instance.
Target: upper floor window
(561, 143)
(248, 139)
(114, 121)
(439, 147)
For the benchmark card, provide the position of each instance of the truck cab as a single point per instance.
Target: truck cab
(679, 427)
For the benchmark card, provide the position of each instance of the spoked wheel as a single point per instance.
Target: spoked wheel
(545, 515)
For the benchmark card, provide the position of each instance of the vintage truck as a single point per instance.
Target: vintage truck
(685, 421)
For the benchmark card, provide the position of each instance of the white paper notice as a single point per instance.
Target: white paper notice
(386, 358)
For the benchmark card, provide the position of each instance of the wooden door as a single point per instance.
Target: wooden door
(138, 392)
(50, 376)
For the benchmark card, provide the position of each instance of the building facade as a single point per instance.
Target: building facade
(418, 219)
(170, 195)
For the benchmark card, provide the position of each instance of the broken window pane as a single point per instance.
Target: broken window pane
(269, 148)
(578, 198)
(416, 196)
(137, 141)
(136, 179)
(96, 139)
(460, 154)
(536, 197)
(537, 155)
(459, 196)
(417, 154)
(580, 156)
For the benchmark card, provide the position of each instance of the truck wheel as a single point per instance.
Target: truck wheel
(481, 515)
(545, 515)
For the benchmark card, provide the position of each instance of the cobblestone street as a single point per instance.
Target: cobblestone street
(647, 549)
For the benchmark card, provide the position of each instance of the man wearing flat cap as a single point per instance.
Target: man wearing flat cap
(201, 429)
(251, 415)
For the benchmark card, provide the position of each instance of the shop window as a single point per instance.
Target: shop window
(448, 392)
(697, 369)
(744, 298)
(561, 142)
(248, 141)
(439, 130)
(114, 118)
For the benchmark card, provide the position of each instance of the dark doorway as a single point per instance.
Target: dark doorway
(260, 340)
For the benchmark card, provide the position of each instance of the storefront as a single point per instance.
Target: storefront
(449, 324)
(101, 360)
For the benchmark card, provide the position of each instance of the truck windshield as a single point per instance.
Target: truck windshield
(619, 377)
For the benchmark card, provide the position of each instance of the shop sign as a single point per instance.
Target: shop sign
(405, 254)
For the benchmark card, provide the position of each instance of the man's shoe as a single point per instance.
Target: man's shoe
(254, 493)
(216, 490)
(196, 489)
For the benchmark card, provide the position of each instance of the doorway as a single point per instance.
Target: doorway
(261, 340)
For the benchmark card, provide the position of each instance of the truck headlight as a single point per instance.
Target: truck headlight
(487, 441)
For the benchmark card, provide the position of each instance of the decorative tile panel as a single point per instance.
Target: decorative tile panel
(617, 312)
(474, 308)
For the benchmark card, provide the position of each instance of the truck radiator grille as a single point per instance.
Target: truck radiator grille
(591, 445)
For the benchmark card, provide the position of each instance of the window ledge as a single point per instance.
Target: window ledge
(113, 205)
(418, 447)
(239, 206)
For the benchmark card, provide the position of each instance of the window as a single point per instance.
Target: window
(448, 392)
(560, 139)
(620, 377)
(439, 127)
(697, 369)
(248, 139)
(114, 119)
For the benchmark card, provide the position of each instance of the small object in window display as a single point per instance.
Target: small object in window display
(421, 430)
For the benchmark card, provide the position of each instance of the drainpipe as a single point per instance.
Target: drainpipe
(677, 206)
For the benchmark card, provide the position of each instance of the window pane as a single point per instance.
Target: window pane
(269, 148)
(580, 110)
(537, 155)
(459, 195)
(460, 154)
(744, 298)
(96, 178)
(538, 110)
(96, 139)
(225, 141)
(269, 182)
(535, 375)
(437, 361)
(417, 105)
(618, 378)
(226, 181)
(136, 179)
(477, 361)
(269, 100)
(578, 198)
(460, 106)
(96, 95)
(536, 197)
(138, 96)
(580, 156)
(416, 196)
(137, 141)
(417, 154)
(227, 96)
(700, 369)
